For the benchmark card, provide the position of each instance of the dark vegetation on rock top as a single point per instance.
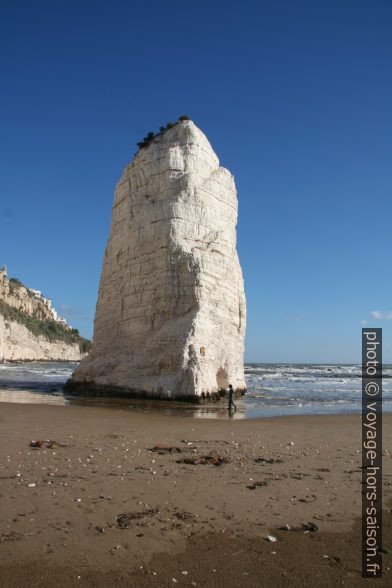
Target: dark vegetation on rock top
(149, 138)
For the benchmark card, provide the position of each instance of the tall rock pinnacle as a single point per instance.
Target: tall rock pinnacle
(170, 315)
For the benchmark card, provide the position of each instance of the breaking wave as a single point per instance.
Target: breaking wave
(309, 388)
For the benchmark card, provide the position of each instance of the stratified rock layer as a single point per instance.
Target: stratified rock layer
(30, 329)
(17, 343)
(170, 315)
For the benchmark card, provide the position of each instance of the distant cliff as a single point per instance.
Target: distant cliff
(30, 329)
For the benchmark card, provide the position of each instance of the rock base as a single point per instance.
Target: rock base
(91, 389)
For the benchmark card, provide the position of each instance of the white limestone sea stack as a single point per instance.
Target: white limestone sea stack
(170, 316)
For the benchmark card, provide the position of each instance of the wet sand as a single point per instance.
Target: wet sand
(102, 508)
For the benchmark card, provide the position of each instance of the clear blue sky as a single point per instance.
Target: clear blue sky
(295, 98)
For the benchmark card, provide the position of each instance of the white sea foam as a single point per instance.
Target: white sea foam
(327, 387)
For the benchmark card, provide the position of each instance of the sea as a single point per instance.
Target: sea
(273, 389)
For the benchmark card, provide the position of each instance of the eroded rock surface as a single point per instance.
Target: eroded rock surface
(170, 315)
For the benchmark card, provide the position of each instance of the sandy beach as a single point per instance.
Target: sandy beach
(132, 499)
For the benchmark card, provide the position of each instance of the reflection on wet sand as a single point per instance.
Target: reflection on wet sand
(31, 397)
(205, 411)
(37, 393)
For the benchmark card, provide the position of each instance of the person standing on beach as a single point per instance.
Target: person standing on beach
(232, 405)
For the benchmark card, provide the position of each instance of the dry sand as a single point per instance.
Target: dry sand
(199, 523)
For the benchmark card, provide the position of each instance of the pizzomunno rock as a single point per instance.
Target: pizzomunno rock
(170, 316)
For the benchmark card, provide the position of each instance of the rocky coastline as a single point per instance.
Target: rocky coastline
(31, 329)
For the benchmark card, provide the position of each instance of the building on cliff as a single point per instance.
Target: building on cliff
(170, 316)
(30, 328)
